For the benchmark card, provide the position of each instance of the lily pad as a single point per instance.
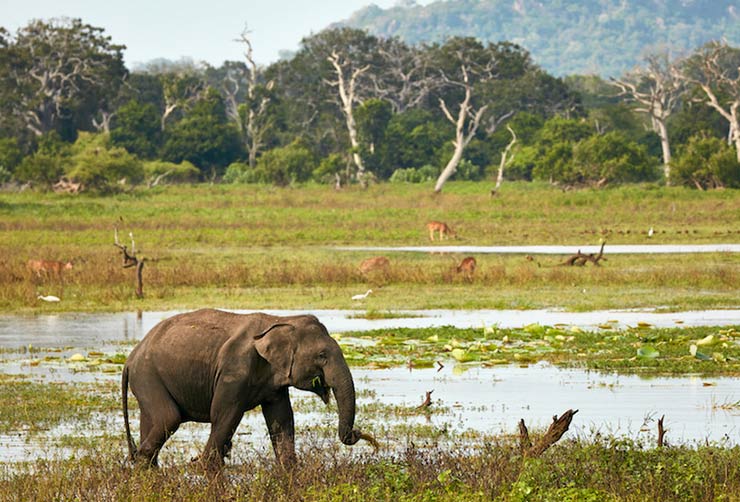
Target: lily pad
(647, 352)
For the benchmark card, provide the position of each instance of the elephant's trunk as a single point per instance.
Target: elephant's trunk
(339, 378)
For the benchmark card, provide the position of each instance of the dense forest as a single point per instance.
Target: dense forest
(603, 37)
(350, 107)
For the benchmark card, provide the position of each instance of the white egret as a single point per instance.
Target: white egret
(362, 296)
(49, 298)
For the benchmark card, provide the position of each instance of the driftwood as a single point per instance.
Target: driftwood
(557, 428)
(661, 432)
(579, 259)
(427, 400)
(131, 260)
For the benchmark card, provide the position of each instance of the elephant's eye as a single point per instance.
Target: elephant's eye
(321, 357)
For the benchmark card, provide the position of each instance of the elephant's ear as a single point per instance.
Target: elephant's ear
(277, 345)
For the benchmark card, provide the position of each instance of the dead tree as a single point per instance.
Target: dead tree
(580, 259)
(558, 427)
(714, 69)
(347, 80)
(505, 159)
(251, 118)
(466, 125)
(131, 260)
(657, 89)
(661, 432)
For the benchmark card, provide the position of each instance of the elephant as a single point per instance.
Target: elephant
(212, 366)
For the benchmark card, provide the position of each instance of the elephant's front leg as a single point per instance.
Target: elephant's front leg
(224, 421)
(278, 415)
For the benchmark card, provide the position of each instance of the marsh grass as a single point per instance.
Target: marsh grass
(266, 247)
(572, 470)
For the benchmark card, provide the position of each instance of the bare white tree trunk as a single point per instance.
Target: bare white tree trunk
(730, 114)
(658, 90)
(505, 159)
(463, 135)
(103, 125)
(257, 124)
(347, 95)
(666, 147)
(713, 74)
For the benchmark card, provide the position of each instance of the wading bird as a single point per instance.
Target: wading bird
(49, 298)
(362, 296)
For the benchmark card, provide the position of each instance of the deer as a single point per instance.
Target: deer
(48, 267)
(380, 263)
(467, 267)
(442, 228)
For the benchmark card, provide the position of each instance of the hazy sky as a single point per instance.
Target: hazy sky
(203, 31)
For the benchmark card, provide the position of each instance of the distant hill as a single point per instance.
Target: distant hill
(604, 37)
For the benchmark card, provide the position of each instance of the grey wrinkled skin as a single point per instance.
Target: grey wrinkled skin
(212, 366)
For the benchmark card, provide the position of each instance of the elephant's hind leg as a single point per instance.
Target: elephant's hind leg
(157, 425)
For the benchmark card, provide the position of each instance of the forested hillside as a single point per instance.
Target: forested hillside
(604, 37)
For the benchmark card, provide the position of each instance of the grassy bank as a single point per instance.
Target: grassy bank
(573, 470)
(266, 247)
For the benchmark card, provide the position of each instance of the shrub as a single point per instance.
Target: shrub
(240, 172)
(101, 167)
(170, 172)
(10, 155)
(47, 164)
(288, 164)
(706, 162)
(598, 159)
(414, 174)
(521, 165)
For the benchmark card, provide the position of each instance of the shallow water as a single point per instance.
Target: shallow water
(103, 331)
(564, 250)
(488, 400)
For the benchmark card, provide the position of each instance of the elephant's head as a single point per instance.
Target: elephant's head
(302, 354)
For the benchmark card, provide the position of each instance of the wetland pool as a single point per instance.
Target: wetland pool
(486, 400)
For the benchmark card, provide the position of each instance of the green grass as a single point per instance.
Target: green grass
(603, 469)
(266, 247)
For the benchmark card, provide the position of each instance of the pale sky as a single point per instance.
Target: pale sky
(203, 31)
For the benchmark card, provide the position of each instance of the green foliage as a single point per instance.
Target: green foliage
(184, 172)
(82, 70)
(45, 166)
(101, 167)
(240, 172)
(522, 164)
(706, 162)
(282, 166)
(414, 174)
(329, 167)
(10, 157)
(137, 129)
(613, 158)
(203, 137)
(468, 171)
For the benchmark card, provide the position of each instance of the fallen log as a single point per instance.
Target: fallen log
(580, 259)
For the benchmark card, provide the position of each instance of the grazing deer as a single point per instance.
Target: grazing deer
(467, 267)
(380, 263)
(48, 267)
(442, 228)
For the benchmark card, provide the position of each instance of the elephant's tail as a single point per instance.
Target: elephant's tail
(124, 399)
